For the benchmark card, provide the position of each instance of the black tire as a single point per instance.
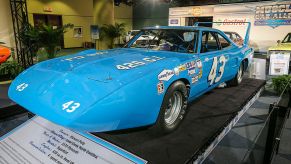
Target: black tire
(238, 77)
(164, 124)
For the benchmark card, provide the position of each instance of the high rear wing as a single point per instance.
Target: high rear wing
(247, 36)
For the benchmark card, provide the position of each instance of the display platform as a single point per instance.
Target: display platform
(4, 100)
(7, 106)
(208, 119)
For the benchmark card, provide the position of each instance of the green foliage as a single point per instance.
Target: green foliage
(280, 83)
(10, 68)
(45, 36)
(30, 38)
(111, 32)
(50, 38)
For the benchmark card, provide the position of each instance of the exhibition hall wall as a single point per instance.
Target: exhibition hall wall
(82, 14)
(77, 12)
(123, 14)
(261, 37)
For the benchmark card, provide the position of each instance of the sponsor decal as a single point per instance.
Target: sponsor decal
(182, 68)
(166, 75)
(191, 71)
(176, 71)
(200, 73)
(134, 64)
(273, 15)
(84, 56)
(199, 63)
(190, 65)
(195, 79)
(160, 87)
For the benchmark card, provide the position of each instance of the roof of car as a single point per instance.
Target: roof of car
(182, 28)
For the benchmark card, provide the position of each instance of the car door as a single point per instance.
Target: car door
(213, 62)
(231, 56)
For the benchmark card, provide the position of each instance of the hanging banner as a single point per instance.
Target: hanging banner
(40, 141)
(273, 15)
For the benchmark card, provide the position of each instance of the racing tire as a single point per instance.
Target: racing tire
(173, 108)
(238, 77)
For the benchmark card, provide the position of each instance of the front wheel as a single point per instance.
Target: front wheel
(173, 108)
(238, 77)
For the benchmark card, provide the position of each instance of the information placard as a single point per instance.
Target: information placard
(40, 141)
(279, 64)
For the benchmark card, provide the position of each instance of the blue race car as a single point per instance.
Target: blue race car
(147, 82)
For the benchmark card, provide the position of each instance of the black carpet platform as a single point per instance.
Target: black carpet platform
(7, 106)
(206, 118)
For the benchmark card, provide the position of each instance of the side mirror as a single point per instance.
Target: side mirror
(278, 41)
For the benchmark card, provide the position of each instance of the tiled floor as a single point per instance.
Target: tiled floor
(284, 153)
(244, 137)
(10, 123)
(242, 143)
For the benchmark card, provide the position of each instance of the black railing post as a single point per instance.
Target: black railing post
(20, 20)
(271, 136)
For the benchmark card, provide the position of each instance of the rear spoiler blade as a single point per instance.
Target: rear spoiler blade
(247, 36)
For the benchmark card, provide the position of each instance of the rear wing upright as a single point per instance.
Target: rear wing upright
(247, 36)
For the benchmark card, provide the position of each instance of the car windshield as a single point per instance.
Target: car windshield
(184, 41)
(287, 39)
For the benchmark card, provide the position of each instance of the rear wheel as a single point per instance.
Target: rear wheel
(173, 108)
(238, 77)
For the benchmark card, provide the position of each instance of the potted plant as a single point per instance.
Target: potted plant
(112, 32)
(44, 36)
(50, 38)
(9, 70)
(282, 84)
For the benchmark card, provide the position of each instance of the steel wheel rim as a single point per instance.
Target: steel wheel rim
(174, 107)
(239, 75)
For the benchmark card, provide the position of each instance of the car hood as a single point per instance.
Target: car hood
(85, 78)
(281, 47)
(101, 66)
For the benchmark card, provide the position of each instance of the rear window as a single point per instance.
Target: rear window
(223, 42)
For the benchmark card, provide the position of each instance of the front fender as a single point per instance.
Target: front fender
(134, 105)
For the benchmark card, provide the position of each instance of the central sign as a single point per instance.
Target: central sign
(40, 141)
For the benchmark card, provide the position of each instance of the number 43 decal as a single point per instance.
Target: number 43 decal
(71, 106)
(212, 77)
